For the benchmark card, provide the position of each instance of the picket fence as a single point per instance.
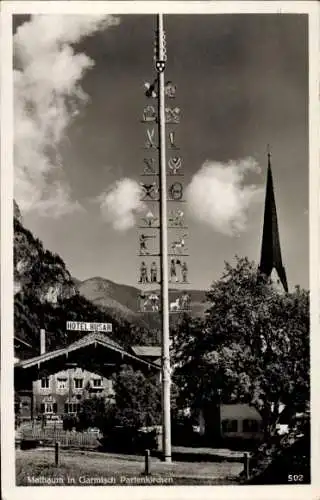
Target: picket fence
(66, 438)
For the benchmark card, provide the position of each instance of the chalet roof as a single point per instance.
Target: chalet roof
(20, 341)
(87, 340)
(151, 351)
(96, 337)
(239, 411)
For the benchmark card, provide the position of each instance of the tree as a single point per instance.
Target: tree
(95, 412)
(252, 346)
(137, 399)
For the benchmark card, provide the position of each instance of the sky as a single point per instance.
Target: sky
(242, 83)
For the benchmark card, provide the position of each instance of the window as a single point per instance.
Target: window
(250, 426)
(49, 408)
(72, 407)
(61, 383)
(78, 383)
(96, 382)
(45, 383)
(229, 425)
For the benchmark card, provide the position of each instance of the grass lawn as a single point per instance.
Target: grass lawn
(85, 468)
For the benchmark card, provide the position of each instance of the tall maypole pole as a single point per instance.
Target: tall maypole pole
(156, 223)
(166, 375)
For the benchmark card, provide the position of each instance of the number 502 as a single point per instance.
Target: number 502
(295, 478)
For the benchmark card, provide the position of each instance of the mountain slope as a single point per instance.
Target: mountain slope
(46, 296)
(124, 299)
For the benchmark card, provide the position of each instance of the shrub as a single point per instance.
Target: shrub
(96, 412)
(69, 422)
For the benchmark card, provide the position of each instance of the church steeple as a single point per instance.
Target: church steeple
(270, 249)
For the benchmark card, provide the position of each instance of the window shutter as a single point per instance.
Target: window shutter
(55, 408)
(66, 407)
(42, 408)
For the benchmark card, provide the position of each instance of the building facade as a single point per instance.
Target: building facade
(64, 391)
(229, 422)
(55, 383)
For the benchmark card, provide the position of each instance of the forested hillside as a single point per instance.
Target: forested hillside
(46, 296)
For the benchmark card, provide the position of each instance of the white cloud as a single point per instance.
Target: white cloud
(120, 204)
(56, 202)
(218, 196)
(47, 97)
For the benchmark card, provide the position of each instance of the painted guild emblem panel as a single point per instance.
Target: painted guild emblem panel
(178, 271)
(148, 273)
(144, 247)
(150, 90)
(150, 191)
(149, 166)
(181, 303)
(179, 246)
(150, 143)
(149, 249)
(176, 218)
(170, 90)
(149, 114)
(172, 115)
(174, 163)
(149, 302)
(172, 143)
(150, 220)
(176, 191)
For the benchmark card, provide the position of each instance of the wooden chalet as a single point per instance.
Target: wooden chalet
(54, 383)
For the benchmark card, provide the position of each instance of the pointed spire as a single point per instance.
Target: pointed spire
(270, 248)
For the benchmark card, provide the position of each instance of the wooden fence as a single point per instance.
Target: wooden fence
(66, 438)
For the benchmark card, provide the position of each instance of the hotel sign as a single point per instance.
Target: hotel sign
(81, 326)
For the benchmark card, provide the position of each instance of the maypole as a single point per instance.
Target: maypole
(158, 194)
(166, 376)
